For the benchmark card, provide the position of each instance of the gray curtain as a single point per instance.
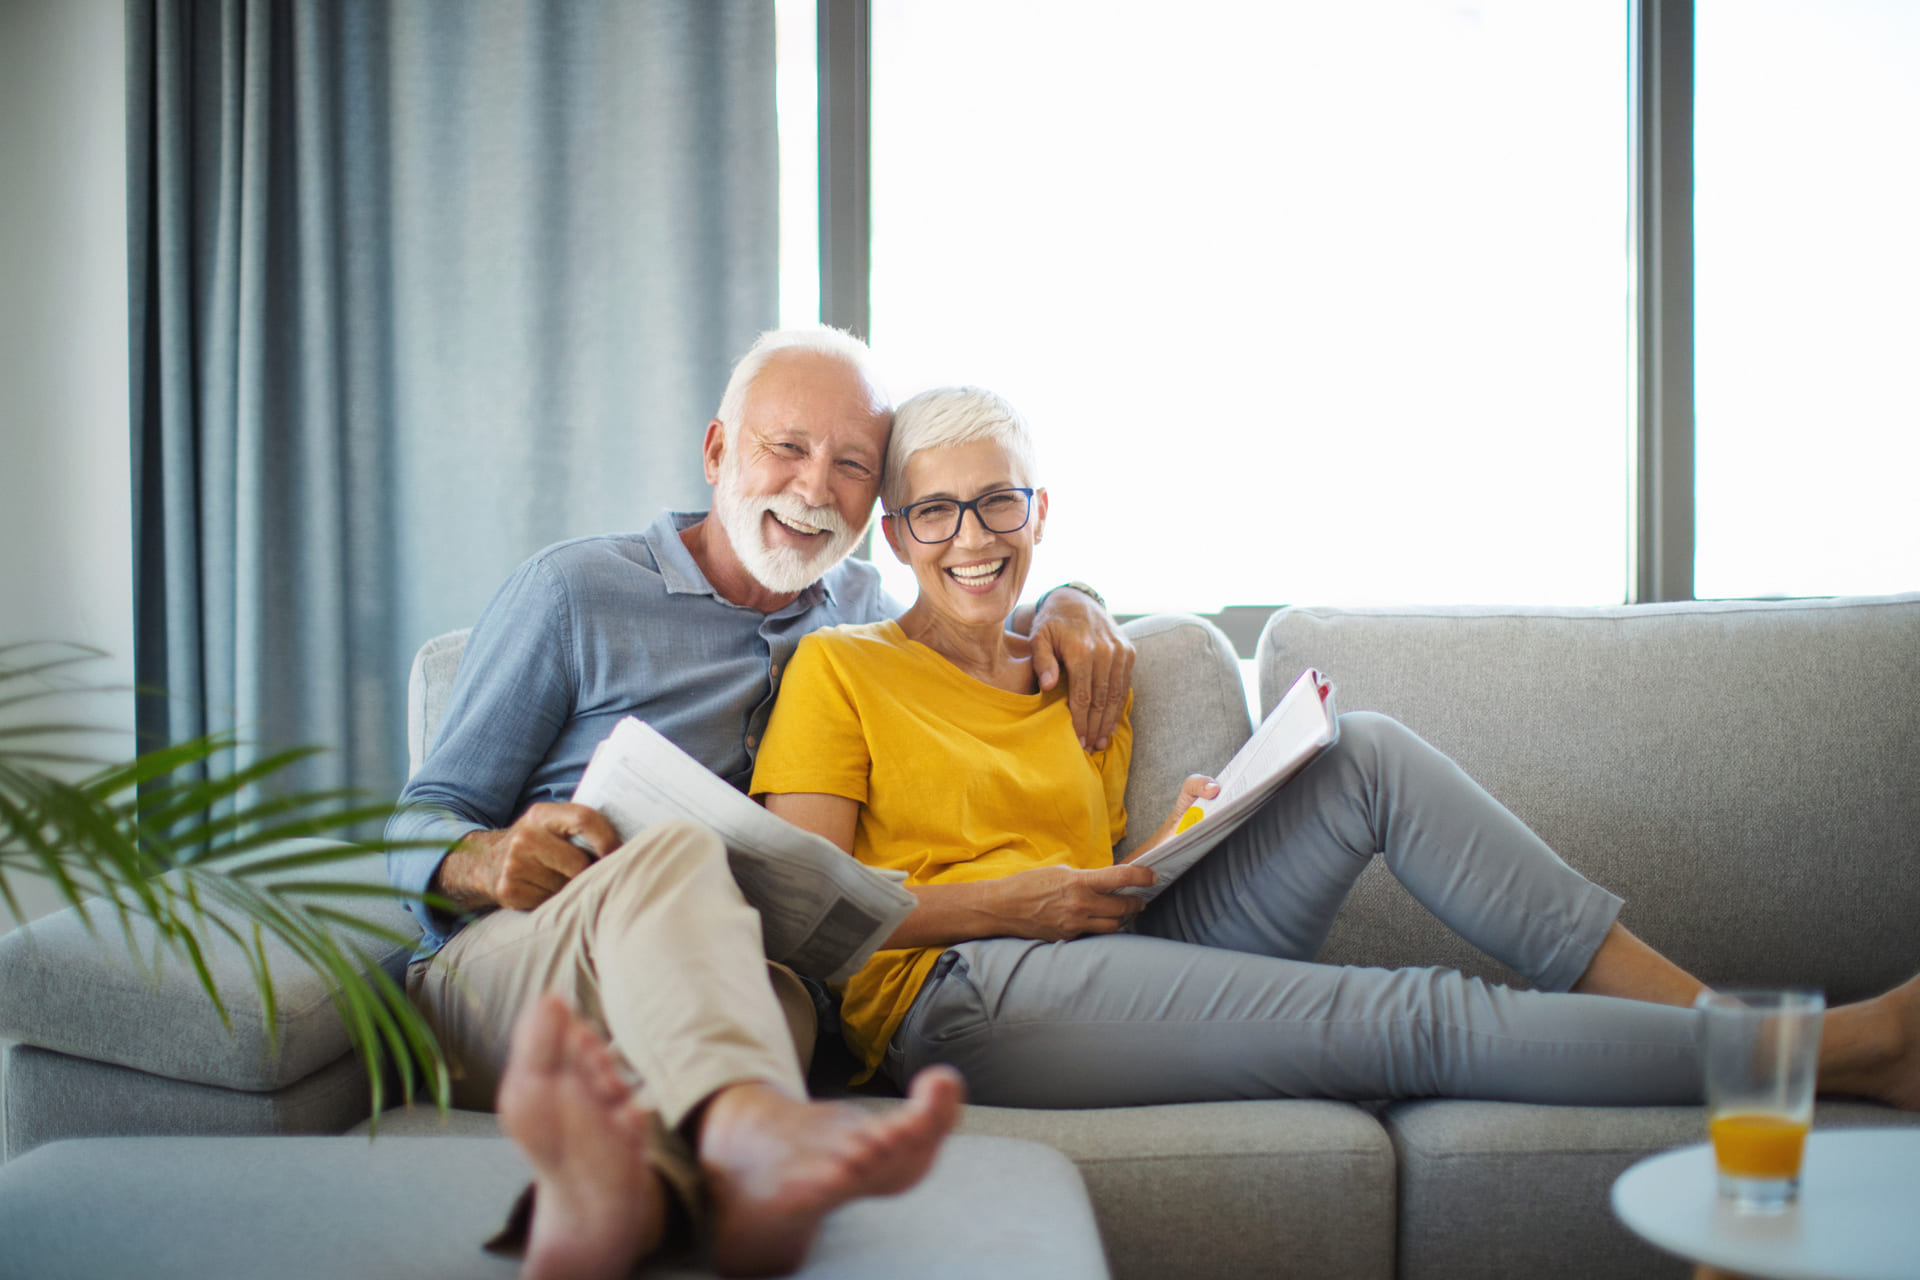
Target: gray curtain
(418, 286)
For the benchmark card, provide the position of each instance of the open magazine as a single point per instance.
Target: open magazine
(1302, 726)
(821, 912)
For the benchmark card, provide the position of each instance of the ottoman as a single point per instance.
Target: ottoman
(401, 1207)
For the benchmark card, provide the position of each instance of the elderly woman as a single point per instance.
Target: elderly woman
(924, 745)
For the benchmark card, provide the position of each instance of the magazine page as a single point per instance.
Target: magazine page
(1302, 726)
(821, 912)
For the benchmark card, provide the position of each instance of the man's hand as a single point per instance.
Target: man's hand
(1074, 632)
(1058, 903)
(524, 865)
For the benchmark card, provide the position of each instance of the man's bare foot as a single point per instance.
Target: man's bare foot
(777, 1166)
(598, 1206)
(1872, 1049)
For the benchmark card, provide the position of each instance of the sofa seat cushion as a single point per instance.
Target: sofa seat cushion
(1226, 1188)
(405, 1207)
(1503, 1188)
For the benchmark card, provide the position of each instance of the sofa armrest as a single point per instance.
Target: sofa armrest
(81, 991)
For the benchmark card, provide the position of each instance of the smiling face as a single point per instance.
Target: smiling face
(796, 477)
(974, 579)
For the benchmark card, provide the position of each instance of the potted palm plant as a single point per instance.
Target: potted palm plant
(198, 842)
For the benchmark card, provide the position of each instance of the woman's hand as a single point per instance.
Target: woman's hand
(1197, 787)
(1054, 904)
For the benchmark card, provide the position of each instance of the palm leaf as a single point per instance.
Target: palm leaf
(12, 669)
(187, 837)
(167, 805)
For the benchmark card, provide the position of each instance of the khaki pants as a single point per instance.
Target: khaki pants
(655, 945)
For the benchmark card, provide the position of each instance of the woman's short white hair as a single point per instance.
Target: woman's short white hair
(819, 339)
(947, 416)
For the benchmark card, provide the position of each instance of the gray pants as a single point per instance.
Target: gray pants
(1214, 994)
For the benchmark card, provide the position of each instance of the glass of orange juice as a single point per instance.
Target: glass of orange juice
(1760, 1050)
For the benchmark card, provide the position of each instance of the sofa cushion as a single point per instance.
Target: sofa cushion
(429, 685)
(1741, 773)
(78, 990)
(397, 1207)
(1226, 1188)
(1189, 713)
(1510, 1189)
(51, 1096)
(1189, 708)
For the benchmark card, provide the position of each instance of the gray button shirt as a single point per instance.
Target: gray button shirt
(582, 634)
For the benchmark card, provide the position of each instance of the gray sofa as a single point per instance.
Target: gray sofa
(1746, 776)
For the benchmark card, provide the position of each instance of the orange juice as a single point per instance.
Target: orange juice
(1756, 1145)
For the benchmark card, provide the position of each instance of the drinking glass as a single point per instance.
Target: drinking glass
(1761, 1049)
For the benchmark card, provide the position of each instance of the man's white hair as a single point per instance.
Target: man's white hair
(819, 339)
(947, 416)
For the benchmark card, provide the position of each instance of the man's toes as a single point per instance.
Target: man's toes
(937, 1094)
(939, 1085)
(539, 1042)
(633, 1122)
(604, 1079)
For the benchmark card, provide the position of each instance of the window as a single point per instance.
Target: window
(1334, 303)
(1807, 265)
(1304, 301)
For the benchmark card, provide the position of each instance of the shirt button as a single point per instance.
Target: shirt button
(776, 671)
(752, 741)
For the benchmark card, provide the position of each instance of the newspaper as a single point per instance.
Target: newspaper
(821, 912)
(1302, 726)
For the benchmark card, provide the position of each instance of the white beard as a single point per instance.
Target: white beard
(779, 569)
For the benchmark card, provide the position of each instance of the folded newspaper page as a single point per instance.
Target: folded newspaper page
(821, 912)
(1302, 726)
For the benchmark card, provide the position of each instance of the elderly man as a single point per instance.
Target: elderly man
(688, 626)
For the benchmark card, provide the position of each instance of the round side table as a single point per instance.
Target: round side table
(1858, 1216)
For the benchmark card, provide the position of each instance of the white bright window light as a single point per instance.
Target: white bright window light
(1807, 264)
(1306, 302)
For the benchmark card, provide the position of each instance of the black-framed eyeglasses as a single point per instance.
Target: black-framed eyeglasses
(938, 519)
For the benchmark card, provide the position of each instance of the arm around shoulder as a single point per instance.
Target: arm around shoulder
(1074, 634)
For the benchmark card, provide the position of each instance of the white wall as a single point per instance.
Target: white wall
(66, 569)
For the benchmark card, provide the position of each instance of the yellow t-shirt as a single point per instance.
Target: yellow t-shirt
(957, 781)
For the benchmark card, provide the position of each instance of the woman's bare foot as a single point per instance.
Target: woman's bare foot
(1872, 1049)
(1625, 966)
(599, 1206)
(778, 1166)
